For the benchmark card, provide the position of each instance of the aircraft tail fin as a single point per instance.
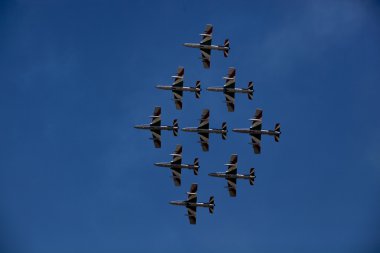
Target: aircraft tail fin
(224, 128)
(250, 90)
(252, 176)
(278, 132)
(175, 127)
(198, 86)
(211, 204)
(227, 45)
(196, 166)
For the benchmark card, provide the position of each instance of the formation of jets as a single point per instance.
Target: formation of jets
(204, 130)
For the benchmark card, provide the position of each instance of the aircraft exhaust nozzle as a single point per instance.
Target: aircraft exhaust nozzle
(252, 176)
(224, 128)
(277, 128)
(196, 166)
(250, 90)
(198, 87)
(175, 127)
(211, 204)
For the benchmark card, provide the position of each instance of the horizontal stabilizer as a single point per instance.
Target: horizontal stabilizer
(198, 91)
(175, 127)
(212, 204)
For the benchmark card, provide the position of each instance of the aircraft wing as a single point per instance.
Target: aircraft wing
(230, 78)
(192, 212)
(178, 78)
(207, 35)
(204, 141)
(178, 99)
(231, 186)
(192, 194)
(232, 166)
(256, 142)
(230, 100)
(177, 155)
(206, 40)
(204, 122)
(156, 117)
(176, 172)
(192, 198)
(156, 137)
(206, 56)
(257, 121)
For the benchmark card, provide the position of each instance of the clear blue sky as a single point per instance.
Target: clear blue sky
(75, 76)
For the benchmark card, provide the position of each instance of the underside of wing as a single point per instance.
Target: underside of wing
(156, 117)
(230, 100)
(204, 122)
(177, 155)
(230, 79)
(178, 79)
(232, 166)
(257, 121)
(231, 182)
(192, 214)
(156, 137)
(178, 98)
(176, 172)
(207, 35)
(206, 57)
(256, 142)
(204, 137)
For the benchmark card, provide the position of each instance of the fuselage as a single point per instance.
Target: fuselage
(212, 47)
(146, 126)
(202, 130)
(176, 166)
(250, 131)
(170, 87)
(225, 175)
(234, 90)
(188, 204)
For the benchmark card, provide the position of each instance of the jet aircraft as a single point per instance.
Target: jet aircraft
(255, 131)
(204, 131)
(155, 127)
(229, 89)
(206, 47)
(176, 165)
(177, 88)
(191, 204)
(231, 175)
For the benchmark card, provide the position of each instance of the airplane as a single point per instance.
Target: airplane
(191, 204)
(206, 47)
(176, 165)
(255, 131)
(203, 130)
(229, 89)
(177, 88)
(155, 127)
(231, 175)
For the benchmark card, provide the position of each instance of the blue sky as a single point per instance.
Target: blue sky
(77, 75)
